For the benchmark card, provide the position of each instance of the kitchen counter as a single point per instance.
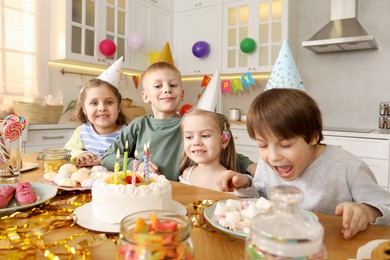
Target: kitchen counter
(337, 131)
(60, 125)
(372, 146)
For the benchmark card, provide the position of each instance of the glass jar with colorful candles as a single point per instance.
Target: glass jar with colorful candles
(155, 235)
(287, 232)
(53, 158)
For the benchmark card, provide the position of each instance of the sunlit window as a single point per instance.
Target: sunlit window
(24, 51)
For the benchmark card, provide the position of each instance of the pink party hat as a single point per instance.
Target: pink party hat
(285, 73)
(211, 99)
(113, 74)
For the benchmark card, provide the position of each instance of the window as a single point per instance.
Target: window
(24, 50)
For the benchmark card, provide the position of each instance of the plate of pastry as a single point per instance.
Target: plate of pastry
(86, 218)
(375, 249)
(44, 192)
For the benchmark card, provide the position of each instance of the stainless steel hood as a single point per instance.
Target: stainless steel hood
(342, 33)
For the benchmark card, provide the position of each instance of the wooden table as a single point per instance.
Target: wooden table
(215, 245)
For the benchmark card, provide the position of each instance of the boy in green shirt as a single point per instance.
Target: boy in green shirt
(162, 88)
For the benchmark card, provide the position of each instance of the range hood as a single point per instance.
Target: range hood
(342, 33)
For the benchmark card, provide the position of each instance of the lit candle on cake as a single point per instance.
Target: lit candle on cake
(116, 168)
(125, 158)
(135, 167)
(146, 161)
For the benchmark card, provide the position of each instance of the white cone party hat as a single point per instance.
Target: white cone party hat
(211, 99)
(285, 73)
(113, 74)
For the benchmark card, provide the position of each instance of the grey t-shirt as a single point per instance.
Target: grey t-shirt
(336, 176)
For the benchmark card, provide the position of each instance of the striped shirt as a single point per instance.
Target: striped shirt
(94, 142)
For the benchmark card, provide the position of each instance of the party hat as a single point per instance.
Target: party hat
(113, 74)
(211, 99)
(165, 55)
(285, 73)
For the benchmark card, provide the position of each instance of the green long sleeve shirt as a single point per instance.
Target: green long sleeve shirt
(165, 145)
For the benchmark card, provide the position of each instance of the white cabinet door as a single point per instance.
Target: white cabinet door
(200, 24)
(183, 5)
(375, 152)
(267, 22)
(78, 27)
(40, 139)
(244, 144)
(155, 24)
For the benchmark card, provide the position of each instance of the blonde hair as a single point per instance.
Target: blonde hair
(94, 83)
(228, 155)
(159, 66)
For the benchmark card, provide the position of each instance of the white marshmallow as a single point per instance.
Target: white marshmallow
(223, 222)
(233, 217)
(236, 204)
(263, 204)
(220, 209)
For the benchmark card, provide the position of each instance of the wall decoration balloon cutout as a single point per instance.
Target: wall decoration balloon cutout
(135, 41)
(248, 45)
(185, 108)
(201, 49)
(107, 47)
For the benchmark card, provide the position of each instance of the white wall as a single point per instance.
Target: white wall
(348, 86)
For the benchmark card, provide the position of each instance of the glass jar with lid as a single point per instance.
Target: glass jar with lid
(287, 232)
(53, 158)
(169, 239)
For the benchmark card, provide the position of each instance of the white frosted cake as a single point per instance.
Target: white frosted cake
(112, 202)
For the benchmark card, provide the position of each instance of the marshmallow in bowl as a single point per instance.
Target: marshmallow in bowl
(233, 205)
(220, 209)
(263, 204)
(71, 168)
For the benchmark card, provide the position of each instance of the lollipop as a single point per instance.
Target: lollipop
(16, 118)
(12, 130)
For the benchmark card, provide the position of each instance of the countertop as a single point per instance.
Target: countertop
(338, 131)
(61, 125)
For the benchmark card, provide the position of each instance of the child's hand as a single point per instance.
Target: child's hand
(356, 217)
(231, 180)
(87, 159)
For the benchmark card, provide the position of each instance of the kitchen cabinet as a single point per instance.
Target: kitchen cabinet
(373, 151)
(181, 5)
(267, 22)
(243, 143)
(78, 26)
(40, 137)
(373, 148)
(154, 21)
(198, 21)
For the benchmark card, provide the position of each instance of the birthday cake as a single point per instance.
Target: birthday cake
(112, 202)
